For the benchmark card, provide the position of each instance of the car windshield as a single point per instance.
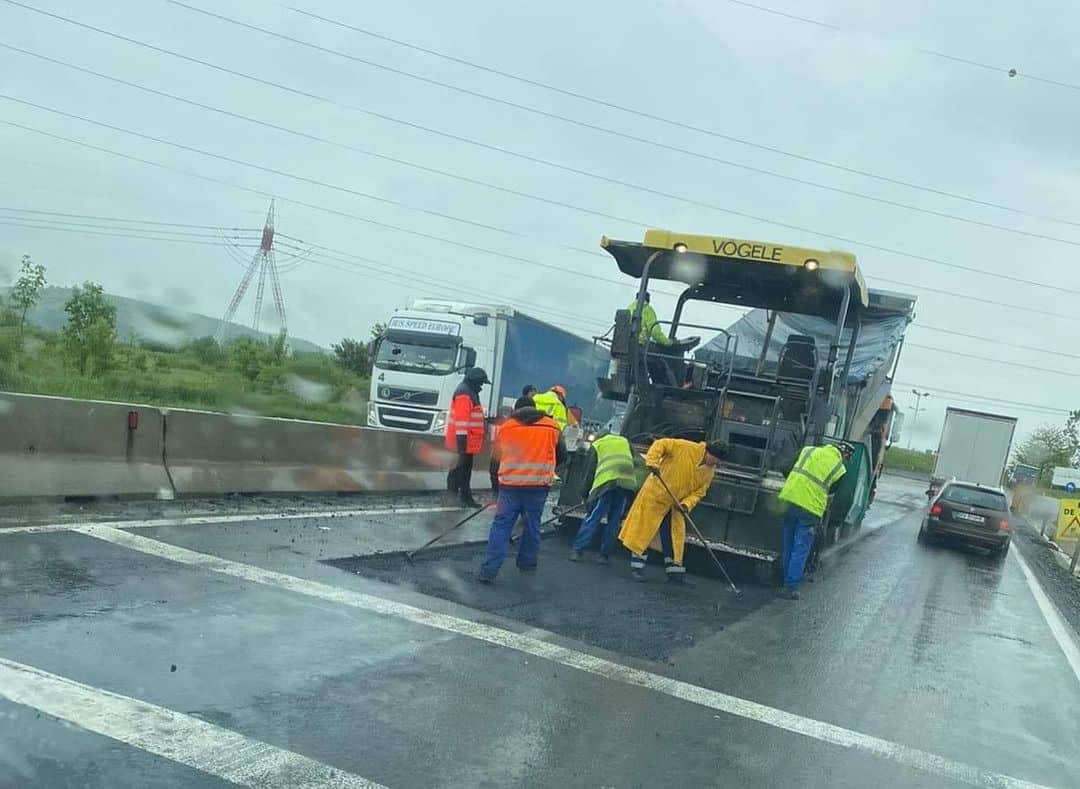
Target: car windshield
(974, 497)
(429, 359)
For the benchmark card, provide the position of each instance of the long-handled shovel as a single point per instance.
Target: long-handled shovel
(409, 556)
(552, 519)
(700, 536)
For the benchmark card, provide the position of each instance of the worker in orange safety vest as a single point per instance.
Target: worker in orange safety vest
(528, 447)
(465, 433)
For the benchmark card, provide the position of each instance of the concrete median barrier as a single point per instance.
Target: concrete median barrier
(54, 446)
(212, 453)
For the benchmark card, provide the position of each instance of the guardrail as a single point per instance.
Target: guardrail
(55, 446)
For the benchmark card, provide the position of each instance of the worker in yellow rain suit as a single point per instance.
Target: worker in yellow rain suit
(687, 467)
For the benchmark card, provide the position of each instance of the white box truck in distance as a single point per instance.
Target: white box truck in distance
(974, 447)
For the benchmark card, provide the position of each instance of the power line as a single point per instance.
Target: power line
(165, 232)
(127, 220)
(975, 397)
(996, 341)
(411, 277)
(430, 236)
(350, 265)
(577, 171)
(991, 360)
(349, 190)
(337, 144)
(538, 160)
(91, 232)
(934, 53)
(594, 127)
(591, 99)
(969, 297)
(442, 239)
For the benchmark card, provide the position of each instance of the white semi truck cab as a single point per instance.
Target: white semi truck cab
(422, 356)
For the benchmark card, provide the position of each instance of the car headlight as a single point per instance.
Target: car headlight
(440, 421)
(372, 416)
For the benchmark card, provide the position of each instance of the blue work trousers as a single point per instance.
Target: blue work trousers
(515, 500)
(612, 503)
(798, 540)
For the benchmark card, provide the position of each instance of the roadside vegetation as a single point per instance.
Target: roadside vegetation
(898, 459)
(86, 359)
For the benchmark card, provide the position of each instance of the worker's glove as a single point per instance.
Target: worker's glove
(462, 443)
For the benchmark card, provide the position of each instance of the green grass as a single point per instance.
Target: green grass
(302, 386)
(908, 460)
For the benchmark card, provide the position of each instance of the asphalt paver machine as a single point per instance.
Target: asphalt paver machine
(810, 361)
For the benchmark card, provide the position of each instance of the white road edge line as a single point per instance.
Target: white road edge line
(172, 735)
(770, 716)
(1052, 616)
(207, 520)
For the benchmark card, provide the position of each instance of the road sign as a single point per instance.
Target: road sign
(1063, 476)
(1068, 525)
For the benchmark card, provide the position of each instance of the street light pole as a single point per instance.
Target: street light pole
(915, 416)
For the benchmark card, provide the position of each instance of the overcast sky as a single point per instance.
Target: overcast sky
(865, 96)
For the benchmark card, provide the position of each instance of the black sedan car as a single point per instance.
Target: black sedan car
(970, 513)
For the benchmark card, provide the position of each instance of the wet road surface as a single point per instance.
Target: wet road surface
(265, 654)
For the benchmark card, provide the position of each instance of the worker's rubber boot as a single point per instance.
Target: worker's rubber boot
(486, 580)
(601, 559)
(575, 555)
(638, 576)
(678, 579)
(789, 594)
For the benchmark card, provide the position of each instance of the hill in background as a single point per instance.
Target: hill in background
(150, 323)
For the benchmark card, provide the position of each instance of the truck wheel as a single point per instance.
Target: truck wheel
(923, 537)
(1001, 553)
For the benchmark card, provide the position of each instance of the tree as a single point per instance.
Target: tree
(90, 332)
(1046, 447)
(248, 357)
(1072, 431)
(356, 356)
(206, 350)
(353, 355)
(27, 289)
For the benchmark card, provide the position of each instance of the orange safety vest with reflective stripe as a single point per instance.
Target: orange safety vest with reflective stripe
(526, 452)
(466, 419)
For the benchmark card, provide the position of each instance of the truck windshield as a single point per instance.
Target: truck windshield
(416, 358)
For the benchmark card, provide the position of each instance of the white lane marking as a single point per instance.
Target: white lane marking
(1053, 618)
(819, 730)
(206, 520)
(173, 735)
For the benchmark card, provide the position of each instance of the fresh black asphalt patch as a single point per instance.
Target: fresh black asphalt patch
(585, 601)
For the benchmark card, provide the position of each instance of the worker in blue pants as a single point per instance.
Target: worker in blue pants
(806, 492)
(528, 503)
(527, 447)
(611, 504)
(798, 540)
(613, 485)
